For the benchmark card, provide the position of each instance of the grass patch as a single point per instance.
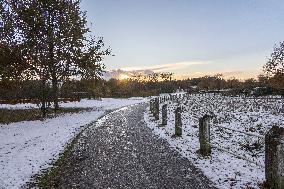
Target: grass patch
(47, 178)
(15, 115)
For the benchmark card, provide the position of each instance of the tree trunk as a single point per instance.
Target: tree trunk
(55, 93)
(43, 108)
(43, 100)
(52, 67)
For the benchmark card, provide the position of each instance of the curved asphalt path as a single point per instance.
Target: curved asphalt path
(120, 151)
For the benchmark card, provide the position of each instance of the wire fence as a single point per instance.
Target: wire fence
(180, 97)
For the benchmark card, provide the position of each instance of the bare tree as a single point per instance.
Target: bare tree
(275, 66)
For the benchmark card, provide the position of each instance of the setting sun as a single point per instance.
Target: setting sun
(123, 76)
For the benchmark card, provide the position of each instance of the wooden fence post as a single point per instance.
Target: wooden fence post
(274, 158)
(204, 135)
(156, 108)
(151, 106)
(164, 115)
(178, 122)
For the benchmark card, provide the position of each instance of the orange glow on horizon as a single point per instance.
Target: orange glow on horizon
(123, 76)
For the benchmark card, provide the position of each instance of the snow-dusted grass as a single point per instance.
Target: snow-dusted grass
(106, 103)
(246, 114)
(30, 146)
(19, 106)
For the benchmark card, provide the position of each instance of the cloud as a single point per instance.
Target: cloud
(166, 67)
(239, 74)
(147, 70)
(117, 73)
(233, 73)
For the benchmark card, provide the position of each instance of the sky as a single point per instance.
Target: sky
(190, 38)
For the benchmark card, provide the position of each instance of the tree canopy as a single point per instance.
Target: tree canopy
(275, 66)
(49, 41)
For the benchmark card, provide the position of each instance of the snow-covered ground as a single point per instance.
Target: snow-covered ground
(254, 115)
(107, 103)
(30, 146)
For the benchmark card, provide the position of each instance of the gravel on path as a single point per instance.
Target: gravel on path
(120, 151)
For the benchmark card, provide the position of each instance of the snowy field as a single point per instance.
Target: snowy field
(30, 146)
(253, 115)
(106, 103)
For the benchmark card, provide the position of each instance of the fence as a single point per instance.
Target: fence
(274, 140)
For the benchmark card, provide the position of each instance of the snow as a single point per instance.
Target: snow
(19, 106)
(226, 170)
(84, 103)
(30, 146)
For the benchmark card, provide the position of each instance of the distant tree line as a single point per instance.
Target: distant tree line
(133, 87)
(138, 85)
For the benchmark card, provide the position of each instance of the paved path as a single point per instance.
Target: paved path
(122, 152)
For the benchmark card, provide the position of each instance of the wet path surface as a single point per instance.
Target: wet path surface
(120, 151)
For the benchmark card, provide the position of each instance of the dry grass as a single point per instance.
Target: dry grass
(15, 115)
